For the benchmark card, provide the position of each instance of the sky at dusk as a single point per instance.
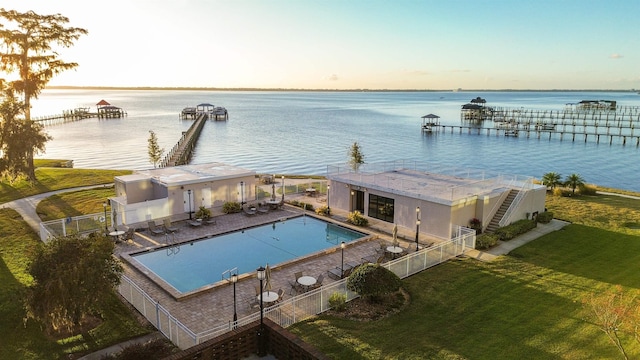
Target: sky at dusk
(340, 44)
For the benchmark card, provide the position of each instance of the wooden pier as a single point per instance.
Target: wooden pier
(217, 113)
(181, 153)
(543, 134)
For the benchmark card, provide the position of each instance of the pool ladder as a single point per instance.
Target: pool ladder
(229, 272)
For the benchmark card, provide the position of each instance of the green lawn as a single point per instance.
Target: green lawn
(17, 245)
(523, 306)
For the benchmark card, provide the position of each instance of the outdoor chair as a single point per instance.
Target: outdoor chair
(129, 234)
(263, 209)
(319, 281)
(248, 211)
(280, 295)
(168, 227)
(154, 229)
(252, 302)
(295, 287)
(298, 275)
(336, 273)
(210, 221)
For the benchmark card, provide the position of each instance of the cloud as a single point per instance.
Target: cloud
(615, 56)
(332, 77)
(460, 70)
(416, 72)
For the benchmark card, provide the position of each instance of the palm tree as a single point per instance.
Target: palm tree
(551, 180)
(573, 181)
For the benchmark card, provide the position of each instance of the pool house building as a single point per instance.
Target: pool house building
(433, 199)
(178, 192)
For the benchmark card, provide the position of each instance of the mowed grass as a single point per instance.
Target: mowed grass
(18, 243)
(51, 178)
(526, 305)
(74, 203)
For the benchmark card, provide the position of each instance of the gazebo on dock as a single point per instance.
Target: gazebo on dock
(430, 122)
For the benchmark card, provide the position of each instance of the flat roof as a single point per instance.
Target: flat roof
(189, 174)
(434, 183)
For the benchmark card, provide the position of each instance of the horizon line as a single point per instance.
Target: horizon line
(186, 88)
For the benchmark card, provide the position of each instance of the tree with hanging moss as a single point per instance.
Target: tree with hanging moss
(27, 42)
(356, 157)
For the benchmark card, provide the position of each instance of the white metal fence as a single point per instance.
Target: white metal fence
(298, 307)
(73, 225)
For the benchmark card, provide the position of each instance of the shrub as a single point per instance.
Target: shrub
(231, 207)
(154, 349)
(486, 241)
(323, 210)
(203, 213)
(587, 189)
(338, 301)
(357, 219)
(519, 227)
(372, 281)
(545, 217)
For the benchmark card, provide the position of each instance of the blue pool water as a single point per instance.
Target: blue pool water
(199, 263)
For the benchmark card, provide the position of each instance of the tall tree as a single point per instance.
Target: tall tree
(551, 180)
(356, 157)
(573, 181)
(27, 43)
(72, 275)
(18, 139)
(154, 150)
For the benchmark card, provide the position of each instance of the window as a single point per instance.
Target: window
(381, 207)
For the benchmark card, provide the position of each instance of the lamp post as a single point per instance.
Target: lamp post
(104, 205)
(242, 194)
(328, 206)
(189, 196)
(417, 225)
(282, 188)
(261, 275)
(234, 280)
(342, 261)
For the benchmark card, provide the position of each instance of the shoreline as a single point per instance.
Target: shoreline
(150, 88)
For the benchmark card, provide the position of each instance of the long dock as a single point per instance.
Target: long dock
(540, 133)
(68, 116)
(181, 153)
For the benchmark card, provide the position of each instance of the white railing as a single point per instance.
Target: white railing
(83, 224)
(299, 307)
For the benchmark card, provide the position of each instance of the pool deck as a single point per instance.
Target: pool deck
(205, 310)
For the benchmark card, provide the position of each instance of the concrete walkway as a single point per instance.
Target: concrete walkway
(504, 247)
(26, 207)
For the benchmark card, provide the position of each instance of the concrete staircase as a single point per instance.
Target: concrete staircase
(494, 224)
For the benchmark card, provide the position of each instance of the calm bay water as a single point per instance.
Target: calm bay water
(303, 132)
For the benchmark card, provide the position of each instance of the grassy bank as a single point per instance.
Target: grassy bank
(18, 242)
(52, 178)
(523, 306)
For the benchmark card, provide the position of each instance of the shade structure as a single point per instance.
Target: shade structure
(267, 278)
(394, 234)
(102, 103)
(431, 116)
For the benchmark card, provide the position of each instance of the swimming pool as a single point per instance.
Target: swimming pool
(193, 265)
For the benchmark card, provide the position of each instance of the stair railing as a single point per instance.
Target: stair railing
(514, 204)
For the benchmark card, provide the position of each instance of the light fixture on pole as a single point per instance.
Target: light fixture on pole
(282, 188)
(342, 261)
(104, 205)
(189, 196)
(242, 194)
(328, 206)
(261, 276)
(417, 225)
(234, 280)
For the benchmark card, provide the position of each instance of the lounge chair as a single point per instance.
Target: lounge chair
(210, 221)
(195, 223)
(249, 212)
(154, 229)
(337, 273)
(168, 226)
(263, 209)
